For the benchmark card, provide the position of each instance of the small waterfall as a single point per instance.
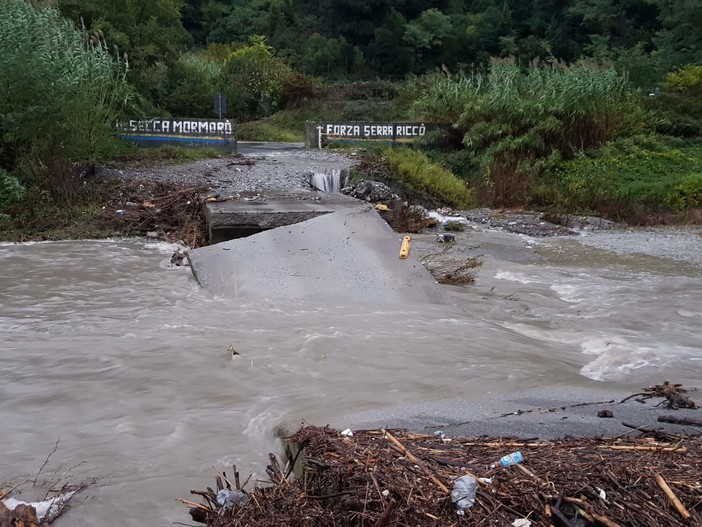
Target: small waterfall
(327, 181)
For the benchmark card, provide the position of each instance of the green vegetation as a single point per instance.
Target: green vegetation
(626, 180)
(519, 124)
(547, 100)
(62, 91)
(420, 177)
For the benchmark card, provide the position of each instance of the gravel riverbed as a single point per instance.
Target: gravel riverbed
(274, 166)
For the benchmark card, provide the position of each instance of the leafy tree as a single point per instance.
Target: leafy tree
(324, 56)
(485, 33)
(427, 32)
(255, 79)
(149, 31)
(388, 52)
(687, 80)
(235, 21)
(191, 85)
(679, 42)
(615, 24)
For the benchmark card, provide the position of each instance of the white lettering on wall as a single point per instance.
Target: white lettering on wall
(177, 126)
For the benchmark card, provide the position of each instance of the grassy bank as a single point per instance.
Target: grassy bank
(638, 182)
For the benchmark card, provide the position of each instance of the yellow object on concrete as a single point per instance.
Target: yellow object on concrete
(404, 249)
(380, 206)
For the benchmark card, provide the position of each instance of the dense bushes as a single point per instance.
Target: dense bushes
(192, 83)
(255, 79)
(62, 92)
(624, 180)
(519, 124)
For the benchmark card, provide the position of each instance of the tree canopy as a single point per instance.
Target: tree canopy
(397, 37)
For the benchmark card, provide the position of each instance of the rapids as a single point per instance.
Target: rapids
(123, 358)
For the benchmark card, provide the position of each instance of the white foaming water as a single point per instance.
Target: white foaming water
(442, 218)
(618, 357)
(629, 318)
(128, 361)
(522, 278)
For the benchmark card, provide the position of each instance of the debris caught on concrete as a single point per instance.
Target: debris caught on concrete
(167, 211)
(179, 257)
(383, 478)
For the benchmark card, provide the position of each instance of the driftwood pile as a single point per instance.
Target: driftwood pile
(380, 478)
(172, 211)
(674, 396)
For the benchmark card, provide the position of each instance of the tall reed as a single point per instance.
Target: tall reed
(517, 122)
(62, 89)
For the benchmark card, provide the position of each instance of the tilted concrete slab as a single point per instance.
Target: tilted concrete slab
(350, 255)
(255, 212)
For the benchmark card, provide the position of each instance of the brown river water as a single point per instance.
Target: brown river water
(123, 358)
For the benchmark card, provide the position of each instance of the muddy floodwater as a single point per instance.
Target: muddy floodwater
(124, 359)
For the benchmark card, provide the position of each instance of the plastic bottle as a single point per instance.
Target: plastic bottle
(511, 459)
(463, 493)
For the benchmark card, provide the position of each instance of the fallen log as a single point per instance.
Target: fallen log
(679, 420)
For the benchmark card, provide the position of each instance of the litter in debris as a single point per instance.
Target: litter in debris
(463, 493)
(382, 477)
(231, 498)
(511, 459)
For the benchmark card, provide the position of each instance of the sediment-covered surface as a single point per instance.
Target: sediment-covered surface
(258, 168)
(382, 478)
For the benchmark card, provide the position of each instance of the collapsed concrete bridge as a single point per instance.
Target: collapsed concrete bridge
(309, 246)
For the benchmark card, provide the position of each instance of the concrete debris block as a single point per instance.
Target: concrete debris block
(319, 260)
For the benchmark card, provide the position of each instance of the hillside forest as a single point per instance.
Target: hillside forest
(570, 105)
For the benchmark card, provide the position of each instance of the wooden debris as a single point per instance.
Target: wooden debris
(414, 460)
(21, 516)
(672, 497)
(679, 420)
(391, 478)
(173, 211)
(674, 395)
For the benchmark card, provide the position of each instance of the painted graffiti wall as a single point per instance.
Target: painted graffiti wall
(317, 134)
(186, 132)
